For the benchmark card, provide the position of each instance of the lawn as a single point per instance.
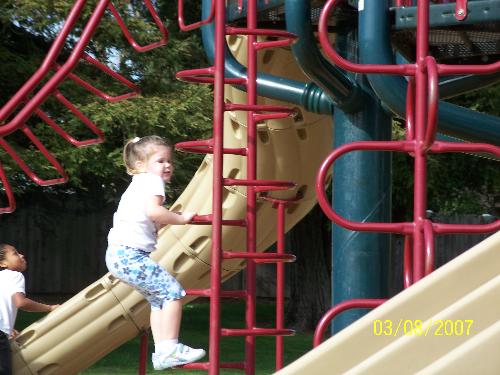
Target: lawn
(194, 332)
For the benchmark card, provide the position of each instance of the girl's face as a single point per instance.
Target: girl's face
(13, 261)
(160, 163)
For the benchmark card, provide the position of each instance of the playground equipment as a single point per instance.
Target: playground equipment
(261, 146)
(453, 297)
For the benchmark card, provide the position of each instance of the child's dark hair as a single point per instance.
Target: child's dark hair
(3, 253)
(139, 149)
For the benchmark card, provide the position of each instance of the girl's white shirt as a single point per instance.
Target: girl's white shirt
(12, 282)
(131, 225)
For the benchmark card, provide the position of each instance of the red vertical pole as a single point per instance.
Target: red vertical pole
(251, 198)
(280, 282)
(216, 255)
(143, 355)
(420, 172)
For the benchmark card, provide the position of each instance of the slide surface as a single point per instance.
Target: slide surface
(459, 307)
(108, 313)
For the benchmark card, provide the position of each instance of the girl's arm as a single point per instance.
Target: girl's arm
(160, 215)
(24, 303)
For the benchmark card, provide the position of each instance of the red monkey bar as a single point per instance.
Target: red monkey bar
(421, 126)
(31, 102)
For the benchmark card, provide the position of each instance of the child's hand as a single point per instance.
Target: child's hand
(188, 216)
(14, 334)
(53, 307)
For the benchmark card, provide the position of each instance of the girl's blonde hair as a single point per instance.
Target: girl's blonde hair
(140, 149)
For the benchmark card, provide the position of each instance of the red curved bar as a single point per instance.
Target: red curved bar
(440, 147)
(440, 228)
(429, 247)
(90, 125)
(182, 24)
(287, 38)
(468, 69)
(260, 257)
(410, 113)
(433, 102)
(208, 219)
(402, 69)
(206, 147)
(45, 118)
(408, 261)
(37, 99)
(259, 185)
(44, 69)
(44, 151)
(399, 146)
(337, 309)
(259, 108)
(161, 27)
(135, 89)
(11, 201)
(206, 75)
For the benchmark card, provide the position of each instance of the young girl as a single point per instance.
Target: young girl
(12, 298)
(135, 223)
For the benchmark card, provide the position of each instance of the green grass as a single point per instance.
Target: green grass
(194, 332)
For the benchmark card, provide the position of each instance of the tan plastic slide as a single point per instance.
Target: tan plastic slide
(459, 307)
(108, 313)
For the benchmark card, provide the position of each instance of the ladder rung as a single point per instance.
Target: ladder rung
(207, 219)
(258, 108)
(206, 75)
(259, 257)
(207, 147)
(257, 332)
(223, 293)
(206, 365)
(260, 185)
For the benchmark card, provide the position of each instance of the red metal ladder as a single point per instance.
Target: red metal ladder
(255, 113)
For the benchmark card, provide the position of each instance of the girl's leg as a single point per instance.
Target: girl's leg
(165, 323)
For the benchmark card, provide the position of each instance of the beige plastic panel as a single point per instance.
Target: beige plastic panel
(467, 288)
(109, 313)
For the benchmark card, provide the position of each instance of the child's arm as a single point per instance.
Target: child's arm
(160, 215)
(24, 303)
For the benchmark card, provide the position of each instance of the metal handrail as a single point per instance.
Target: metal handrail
(195, 25)
(337, 309)
(156, 18)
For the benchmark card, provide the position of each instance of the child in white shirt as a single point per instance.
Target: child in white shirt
(133, 236)
(12, 298)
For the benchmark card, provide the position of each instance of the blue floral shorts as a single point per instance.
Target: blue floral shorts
(136, 268)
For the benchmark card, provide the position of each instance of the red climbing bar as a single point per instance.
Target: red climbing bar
(407, 261)
(45, 153)
(11, 201)
(156, 18)
(143, 356)
(47, 89)
(337, 309)
(135, 89)
(182, 23)
(44, 69)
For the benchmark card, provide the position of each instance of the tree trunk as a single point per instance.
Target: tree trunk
(309, 276)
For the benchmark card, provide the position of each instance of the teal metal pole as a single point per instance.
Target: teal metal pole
(361, 192)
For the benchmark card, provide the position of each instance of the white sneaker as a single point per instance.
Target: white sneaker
(180, 355)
